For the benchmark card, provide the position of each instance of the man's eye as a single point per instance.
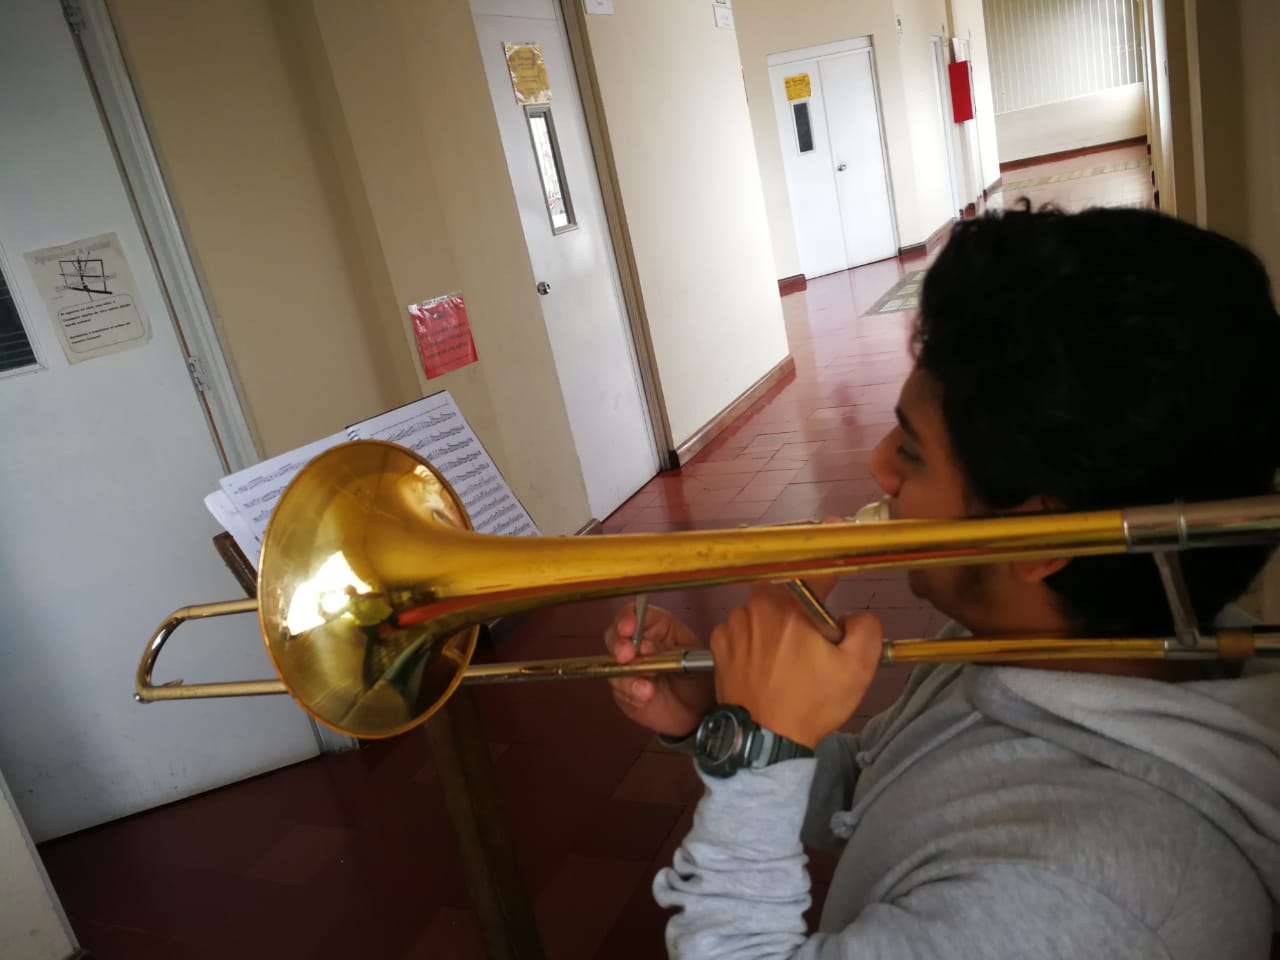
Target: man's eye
(908, 455)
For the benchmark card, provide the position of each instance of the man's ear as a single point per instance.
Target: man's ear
(1032, 571)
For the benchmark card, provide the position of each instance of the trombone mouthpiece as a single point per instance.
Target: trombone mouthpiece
(877, 511)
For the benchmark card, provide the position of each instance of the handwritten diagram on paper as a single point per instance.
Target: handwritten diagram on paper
(89, 292)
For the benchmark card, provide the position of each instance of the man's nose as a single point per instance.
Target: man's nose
(883, 468)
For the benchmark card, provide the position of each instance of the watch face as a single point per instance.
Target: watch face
(719, 743)
(719, 737)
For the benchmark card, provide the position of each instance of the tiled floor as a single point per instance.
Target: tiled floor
(1119, 177)
(351, 855)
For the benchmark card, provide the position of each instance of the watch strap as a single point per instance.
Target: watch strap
(768, 748)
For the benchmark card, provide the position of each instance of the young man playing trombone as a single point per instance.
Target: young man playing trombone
(1106, 808)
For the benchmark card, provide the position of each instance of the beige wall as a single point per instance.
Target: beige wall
(253, 194)
(672, 89)
(1236, 149)
(1260, 67)
(765, 27)
(32, 923)
(331, 164)
(1119, 113)
(1236, 120)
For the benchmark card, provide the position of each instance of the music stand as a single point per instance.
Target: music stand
(460, 755)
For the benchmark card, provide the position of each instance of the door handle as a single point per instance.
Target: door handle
(543, 287)
(841, 166)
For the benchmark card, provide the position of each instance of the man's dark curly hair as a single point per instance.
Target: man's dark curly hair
(1108, 358)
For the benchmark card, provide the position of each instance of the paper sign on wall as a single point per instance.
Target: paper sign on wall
(443, 334)
(724, 16)
(88, 289)
(528, 73)
(798, 87)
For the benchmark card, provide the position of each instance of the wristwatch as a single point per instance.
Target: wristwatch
(728, 740)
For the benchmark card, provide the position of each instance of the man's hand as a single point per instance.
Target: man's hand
(670, 704)
(771, 660)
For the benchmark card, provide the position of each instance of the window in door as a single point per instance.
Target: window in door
(546, 149)
(804, 129)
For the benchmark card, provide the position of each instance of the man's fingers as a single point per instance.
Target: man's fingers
(632, 692)
(863, 638)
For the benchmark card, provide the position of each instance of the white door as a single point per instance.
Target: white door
(103, 470)
(833, 153)
(562, 214)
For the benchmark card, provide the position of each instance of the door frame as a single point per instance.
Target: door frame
(572, 17)
(835, 48)
(212, 377)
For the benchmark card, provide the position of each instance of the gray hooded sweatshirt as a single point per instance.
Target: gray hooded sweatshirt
(999, 812)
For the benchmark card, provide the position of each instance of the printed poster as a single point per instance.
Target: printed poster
(528, 73)
(89, 292)
(798, 87)
(443, 334)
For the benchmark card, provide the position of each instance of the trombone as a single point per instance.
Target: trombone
(373, 585)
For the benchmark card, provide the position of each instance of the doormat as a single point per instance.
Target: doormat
(903, 295)
(1074, 175)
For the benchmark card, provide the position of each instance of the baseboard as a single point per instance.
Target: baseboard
(592, 528)
(1071, 154)
(939, 236)
(792, 284)
(784, 369)
(930, 243)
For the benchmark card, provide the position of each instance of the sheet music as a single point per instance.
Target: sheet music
(254, 492)
(435, 429)
(224, 511)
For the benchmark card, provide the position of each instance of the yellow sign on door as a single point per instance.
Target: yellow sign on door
(528, 73)
(798, 87)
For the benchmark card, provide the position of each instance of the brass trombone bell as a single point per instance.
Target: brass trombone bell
(372, 585)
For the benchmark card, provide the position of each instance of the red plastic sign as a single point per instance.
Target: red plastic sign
(443, 333)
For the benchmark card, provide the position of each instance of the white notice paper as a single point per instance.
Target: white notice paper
(88, 290)
(435, 430)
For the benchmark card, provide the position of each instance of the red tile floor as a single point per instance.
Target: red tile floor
(351, 855)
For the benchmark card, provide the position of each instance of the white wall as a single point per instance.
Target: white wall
(32, 924)
(969, 22)
(1043, 51)
(681, 139)
(1105, 117)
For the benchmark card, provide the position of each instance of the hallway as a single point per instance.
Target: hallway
(351, 854)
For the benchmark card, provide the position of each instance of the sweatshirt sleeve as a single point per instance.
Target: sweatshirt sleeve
(740, 887)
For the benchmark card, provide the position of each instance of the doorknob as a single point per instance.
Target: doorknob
(841, 166)
(543, 287)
